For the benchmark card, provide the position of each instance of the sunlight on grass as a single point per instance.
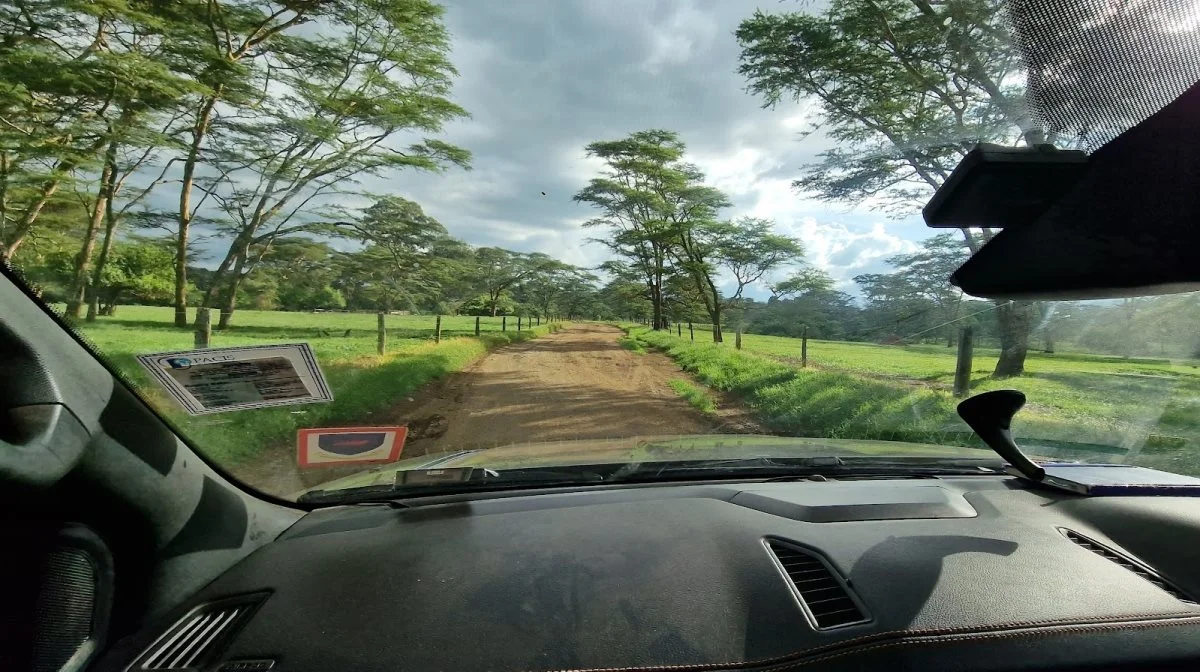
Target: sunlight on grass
(1145, 409)
(700, 399)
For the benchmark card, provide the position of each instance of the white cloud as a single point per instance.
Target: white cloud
(676, 41)
(844, 251)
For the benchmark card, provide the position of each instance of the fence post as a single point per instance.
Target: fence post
(737, 338)
(962, 370)
(437, 330)
(203, 328)
(476, 325)
(504, 323)
(804, 347)
(691, 332)
(381, 344)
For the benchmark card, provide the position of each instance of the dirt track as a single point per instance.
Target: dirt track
(576, 384)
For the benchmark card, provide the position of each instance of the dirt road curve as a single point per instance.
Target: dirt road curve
(576, 384)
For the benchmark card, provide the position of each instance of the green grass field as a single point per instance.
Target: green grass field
(363, 382)
(1106, 407)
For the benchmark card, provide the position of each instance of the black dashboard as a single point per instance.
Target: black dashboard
(968, 572)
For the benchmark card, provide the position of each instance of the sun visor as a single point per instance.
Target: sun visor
(1129, 225)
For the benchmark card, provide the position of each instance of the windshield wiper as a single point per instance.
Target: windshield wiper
(457, 480)
(425, 482)
(805, 467)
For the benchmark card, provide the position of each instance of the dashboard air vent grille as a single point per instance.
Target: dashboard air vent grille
(1126, 562)
(195, 640)
(824, 596)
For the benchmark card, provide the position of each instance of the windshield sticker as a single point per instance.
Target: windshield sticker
(333, 446)
(235, 379)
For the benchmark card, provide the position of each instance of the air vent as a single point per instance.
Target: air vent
(824, 596)
(196, 639)
(1127, 562)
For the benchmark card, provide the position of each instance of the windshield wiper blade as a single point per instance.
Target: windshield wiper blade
(804, 467)
(473, 479)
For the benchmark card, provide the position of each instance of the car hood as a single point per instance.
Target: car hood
(650, 449)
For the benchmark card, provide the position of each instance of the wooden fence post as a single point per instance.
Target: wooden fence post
(476, 325)
(737, 338)
(962, 370)
(437, 330)
(504, 323)
(691, 332)
(381, 343)
(804, 347)
(203, 328)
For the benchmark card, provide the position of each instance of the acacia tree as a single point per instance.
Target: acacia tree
(743, 250)
(647, 196)
(807, 280)
(495, 271)
(348, 96)
(66, 76)
(222, 44)
(906, 88)
(926, 271)
(410, 250)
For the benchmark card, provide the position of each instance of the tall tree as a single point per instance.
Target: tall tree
(408, 247)
(223, 42)
(804, 281)
(496, 271)
(926, 272)
(551, 288)
(906, 88)
(743, 250)
(647, 195)
(385, 73)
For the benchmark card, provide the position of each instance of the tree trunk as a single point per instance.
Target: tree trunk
(199, 131)
(237, 252)
(718, 337)
(1015, 320)
(1048, 339)
(656, 302)
(83, 260)
(231, 297)
(110, 227)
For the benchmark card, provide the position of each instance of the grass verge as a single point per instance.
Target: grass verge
(1085, 413)
(700, 399)
(363, 383)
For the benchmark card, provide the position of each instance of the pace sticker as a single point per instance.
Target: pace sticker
(332, 446)
(233, 379)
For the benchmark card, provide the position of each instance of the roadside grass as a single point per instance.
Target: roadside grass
(363, 382)
(1104, 407)
(700, 399)
(632, 344)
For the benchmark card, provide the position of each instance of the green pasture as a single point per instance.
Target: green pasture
(1094, 407)
(363, 382)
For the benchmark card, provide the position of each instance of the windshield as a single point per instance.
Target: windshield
(335, 243)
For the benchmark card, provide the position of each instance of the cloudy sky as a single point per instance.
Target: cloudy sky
(542, 79)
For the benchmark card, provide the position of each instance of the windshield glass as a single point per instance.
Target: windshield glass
(330, 242)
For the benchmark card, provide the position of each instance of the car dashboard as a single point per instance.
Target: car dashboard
(979, 572)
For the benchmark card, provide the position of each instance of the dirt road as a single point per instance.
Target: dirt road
(576, 384)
